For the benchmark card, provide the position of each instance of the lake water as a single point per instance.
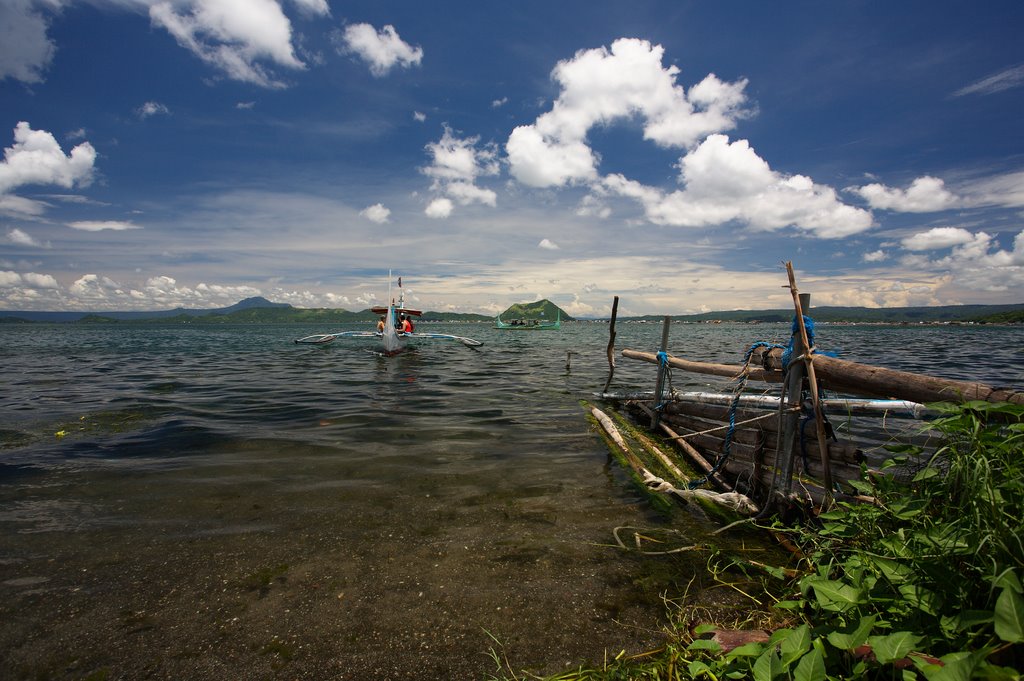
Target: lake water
(218, 502)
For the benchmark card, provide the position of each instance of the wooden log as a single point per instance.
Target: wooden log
(730, 370)
(845, 376)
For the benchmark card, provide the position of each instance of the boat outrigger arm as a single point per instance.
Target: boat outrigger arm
(393, 339)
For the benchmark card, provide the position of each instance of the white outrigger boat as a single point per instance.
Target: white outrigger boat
(392, 337)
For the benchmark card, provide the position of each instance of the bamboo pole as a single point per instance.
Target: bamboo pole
(611, 343)
(819, 416)
(730, 370)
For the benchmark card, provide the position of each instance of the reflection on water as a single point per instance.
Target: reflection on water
(221, 503)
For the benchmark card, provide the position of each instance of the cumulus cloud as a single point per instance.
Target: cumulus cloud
(456, 164)
(376, 213)
(925, 195)
(25, 49)
(875, 256)
(152, 109)
(548, 244)
(44, 281)
(37, 158)
(601, 86)
(938, 238)
(382, 50)
(975, 260)
(439, 208)
(726, 181)
(102, 225)
(233, 37)
(997, 82)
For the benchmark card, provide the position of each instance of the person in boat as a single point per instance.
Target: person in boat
(406, 324)
(380, 324)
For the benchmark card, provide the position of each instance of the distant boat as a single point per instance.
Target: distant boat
(529, 324)
(392, 336)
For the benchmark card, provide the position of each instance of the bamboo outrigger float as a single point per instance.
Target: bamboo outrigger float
(763, 445)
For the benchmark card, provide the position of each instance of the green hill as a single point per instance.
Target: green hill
(992, 314)
(543, 310)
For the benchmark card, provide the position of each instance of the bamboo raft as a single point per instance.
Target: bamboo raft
(763, 446)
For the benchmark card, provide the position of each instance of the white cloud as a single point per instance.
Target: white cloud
(40, 280)
(25, 49)
(16, 236)
(382, 50)
(591, 206)
(37, 158)
(726, 181)
(376, 213)
(152, 109)
(997, 82)
(601, 86)
(232, 36)
(975, 262)
(937, 238)
(548, 244)
(102, 225)
(1000, 190)
(925, 195)
(245, 106)
(419, 116)
(439, 208)
(875, 256)
(313, 7)
(499, 102)
(456, 165)
(9, 279)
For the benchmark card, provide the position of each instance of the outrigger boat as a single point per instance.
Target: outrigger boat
(393, 338)
(528, 324)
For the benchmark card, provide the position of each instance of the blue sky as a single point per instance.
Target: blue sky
(160, 153)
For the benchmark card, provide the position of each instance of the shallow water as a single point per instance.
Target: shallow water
(217, 502)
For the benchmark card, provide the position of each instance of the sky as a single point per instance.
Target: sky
(166, 153)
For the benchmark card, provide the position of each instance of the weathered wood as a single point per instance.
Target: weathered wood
(801, 302)
(695, 457)
(730, 370)
(660, 386)
(845, 376)
(843, 451)
(611, 343)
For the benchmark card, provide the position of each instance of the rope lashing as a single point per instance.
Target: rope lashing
(662, 357)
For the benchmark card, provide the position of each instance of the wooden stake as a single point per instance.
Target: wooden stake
(659, 388)
(611, 343)
(819, 416)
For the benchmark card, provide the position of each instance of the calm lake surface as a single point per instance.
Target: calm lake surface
(218, 502)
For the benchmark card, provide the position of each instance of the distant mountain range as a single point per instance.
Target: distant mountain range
(256, 310)
(259, 310)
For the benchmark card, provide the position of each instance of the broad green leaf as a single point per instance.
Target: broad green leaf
(894, 646)
(836, 596)
(789, 605)
(811, 667)
(752, 649)
(1010, 616)
(893, 570)
(852, 636)
(795, 645)
(705, 628)
(704, 644)
(927, 601)
(768, 666)
(697, 668)
(956, 666)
